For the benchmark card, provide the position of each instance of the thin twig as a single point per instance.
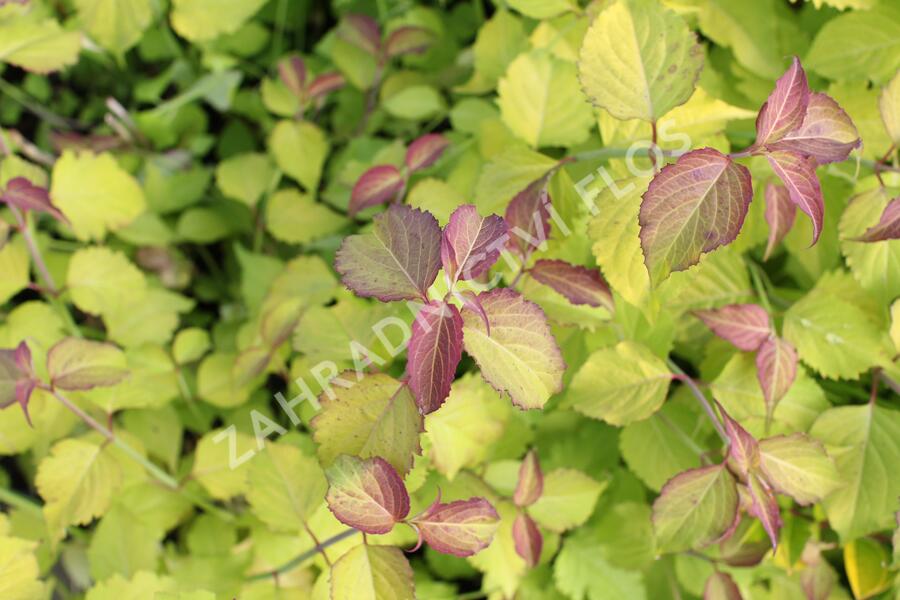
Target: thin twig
(698, 393)
(304, 556)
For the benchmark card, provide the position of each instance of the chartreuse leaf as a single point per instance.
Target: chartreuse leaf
(144, 585)
(14, 263)
(285, 487)
(567, 499)
(245, 177)
(506, 175)
(865, 443)
(798, 466)
(375, 417)
(889, 107)
(540, 101)
(79, 364)
(38, 45)
(221, 462)
(519, 356)
(369, 572)
(657, 60)
(300, 149)
(620, 385)
(95, 194)
(19, 579)
(204, 20)
(296, 218)
(123, 543)
(695, 508)
(100, 280)
(77, 482)
(692, 207)
(866, 562)
(498, 42)
(366, 494)
(190, 344)
(542, 9)
(117, 25)
(583, 571)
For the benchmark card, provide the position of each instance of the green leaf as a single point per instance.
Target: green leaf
(508, 174)
(123, 544)
(542, 9)
(567, 501)
(20, 569)
(864, 443)
(875, 265)
(145, 585)
(583, 571)
(100, 280)
(296, 218)
(190, 345)
(620, 385)
(285, 487)
(656, 65)
(540, 101)
(38, 45)
(889, 107)
(14, 264)
(498, 42)
(245, 177)
(117, 25)
(866, 563)
(415, 102)
(204, 20)
(370, 572)
(221, 463)
(377, 416)
(95, 194)
(300, 149)
(799, 467)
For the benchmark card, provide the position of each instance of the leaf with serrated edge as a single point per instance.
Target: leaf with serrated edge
(746, 326)
(567, 500)
(888, 226)
(435, 349)
(764, 507)
(471, 243)
(798, 466)
(743, 450)
(79, 364)
(799, 176)
(780, 215)
(368, 572)
(692, 207)
(398, 260)
(776, 368)
(786, 106)
(520, 356)
(528, 539)
(695, 508)
(889, 107)
(366, 494)
(286, 487)
(460, 528)
(827, 133)
(376, 186)
(528, 217)
(425, 150)
(579, 285)
(530, 484)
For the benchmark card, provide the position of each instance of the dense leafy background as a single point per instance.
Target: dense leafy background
(179, 176)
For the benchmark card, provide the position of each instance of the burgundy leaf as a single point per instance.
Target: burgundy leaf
(408, 39)
(460, 528)
(827, 133)
(527, 539)
(325, 84)
(743, 449)
(376, 186)
(471, 243)
(720, 586)
(362, 31)
(425, 150)
(16, 378)
(746, 326)
(472, 301)
(292, 71)
(368, 494)
(26, 196)
(399, 259)
(799, 176)
(784, 110)
(580, 285)
(530, 485)
(888, 226)
(434, 352)
(528, 217)
(780, 215)
(776, 369)
(764, 507)
(691, 207)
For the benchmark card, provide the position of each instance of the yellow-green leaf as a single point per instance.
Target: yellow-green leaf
(100, 280)
(300, 149)
(369, 572)
(286, 487)
(117, 25)
(203, 20)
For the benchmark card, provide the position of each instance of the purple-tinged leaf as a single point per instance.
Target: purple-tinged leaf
(798, 466)
(361, 31)
(530, 485)
(720, 586)
(460, 528)
(325, 84)
(764, 507)
(26, 196)
(780, 215)
(471, 244)
(746, 326)
(408, 39)
(743, 449)
(425, 150)
(520, 356)
(799, 176)
(376, 186)
(691, 207)
(827, 133)
(740, 548)
(79, 364)
(527, 539)
(785, 108)
(818, 578)
(472, 302)
(888, 226)
(368, 494)
(16, 378)
(292, 72)
(528, 217)
(579, 285)
(398, 260)
(776, 369)
(435, 348)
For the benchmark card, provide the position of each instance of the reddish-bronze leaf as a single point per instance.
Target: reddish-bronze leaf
(776, 369)
(80, 364)
(798, 173)
(528, 217)
(325, 84)
(26, 196)
(460, 528)
(376, 186)
(17, 379)
(530, 485)
(362, 31)
(579, 285)
(743, 449)
(764, 506)
(434, 352)
(292, 72)
(527, 539)
(746, 326)
(720, 586)
(826, 134)
(888, 226)
(408, 39)
(471, 244)
(785, 108)
(780, 215)
(424, 151)
(366, 494)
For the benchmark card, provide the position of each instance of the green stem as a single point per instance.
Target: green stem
(304, 556)
(19, 501)
(36, 108)
(701, 398)
(760, 288)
